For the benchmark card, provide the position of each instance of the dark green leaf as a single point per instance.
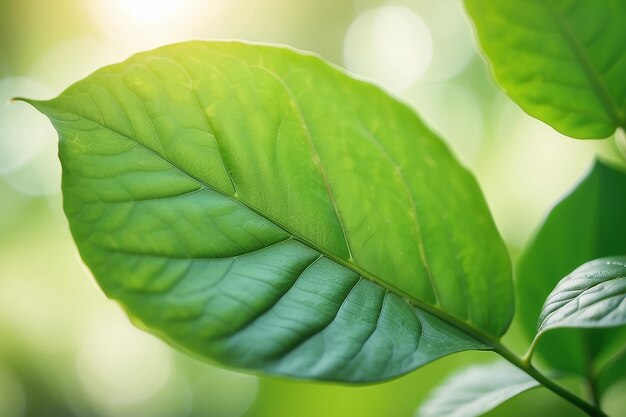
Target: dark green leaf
(477, 390)
(562, 61)
(588, 224)
(613, 370)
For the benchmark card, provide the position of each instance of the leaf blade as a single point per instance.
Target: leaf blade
(587, 224)
(590, 297)
(477, 390)
(157, 158)
(558, 60)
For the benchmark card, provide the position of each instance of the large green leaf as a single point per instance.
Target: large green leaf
(588, 224)
(258, 207)
(477, 390)
(593, 295)
(562, 61)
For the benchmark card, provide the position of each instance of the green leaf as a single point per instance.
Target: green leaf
(593, 295)
(258, 207)
(588, 224)
(611, 371)
(477, 390)
(562, 61)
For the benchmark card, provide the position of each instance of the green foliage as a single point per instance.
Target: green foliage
(258, 207)
(588, 224)
(560, 60)
(477, 390)
(592, 296)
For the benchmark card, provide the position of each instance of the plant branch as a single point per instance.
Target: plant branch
(591, 409)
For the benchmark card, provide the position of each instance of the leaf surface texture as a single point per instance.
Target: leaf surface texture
(562, 61)
(258, 207)
(587, 224)
(593, 295)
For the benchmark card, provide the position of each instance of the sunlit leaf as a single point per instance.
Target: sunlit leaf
(258, 207)
(562, 61)
(477, 390)
(588, 224)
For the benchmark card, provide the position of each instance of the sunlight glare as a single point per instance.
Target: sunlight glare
(147, 11)
(133, 25)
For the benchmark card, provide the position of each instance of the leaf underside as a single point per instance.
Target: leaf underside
(258, 207)
(477, 390)
(562, 61)
(588, 224)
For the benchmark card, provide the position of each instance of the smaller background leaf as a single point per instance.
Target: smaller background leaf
(477, 390)
(588, 224)
(612, 371)
(593, 295)
(562, 61)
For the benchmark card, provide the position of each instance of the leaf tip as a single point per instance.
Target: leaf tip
(43, 106)
(32, 102)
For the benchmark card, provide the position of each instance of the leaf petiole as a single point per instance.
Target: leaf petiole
(524, 364)
(527, 358)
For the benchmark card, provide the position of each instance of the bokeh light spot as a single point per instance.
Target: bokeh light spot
(121, 365)
(134, 25)
(28, 143)
(24, 130)
(452, 37)
(390, 45)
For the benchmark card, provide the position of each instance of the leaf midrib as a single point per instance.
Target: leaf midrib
(463, 326)
(593, 76)
(209, 125)
(318, 161)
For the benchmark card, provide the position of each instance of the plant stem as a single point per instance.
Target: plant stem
(531, 349)
(525, 366)
(523, 363)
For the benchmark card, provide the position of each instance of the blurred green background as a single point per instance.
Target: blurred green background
(66, 350)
